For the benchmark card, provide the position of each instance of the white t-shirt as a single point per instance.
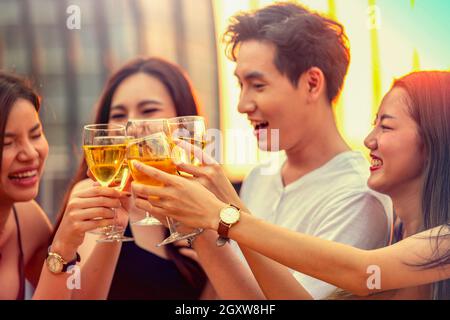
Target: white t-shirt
(332, 202)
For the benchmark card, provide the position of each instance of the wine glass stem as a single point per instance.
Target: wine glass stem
(171, 226)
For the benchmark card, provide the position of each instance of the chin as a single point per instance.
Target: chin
(24, 196)
(376, 185)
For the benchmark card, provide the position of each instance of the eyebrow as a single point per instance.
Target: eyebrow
(251, 75)
(386, 116)
(35, 128)
(143, 103)
(140, 105)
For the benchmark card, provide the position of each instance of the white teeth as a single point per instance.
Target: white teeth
(376, 163)
(26, 174)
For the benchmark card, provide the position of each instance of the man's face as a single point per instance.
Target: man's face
(268, 97)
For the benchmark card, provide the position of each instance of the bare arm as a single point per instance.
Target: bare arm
(229, 276)
(98, 261)
(83, 208)
(341, 265)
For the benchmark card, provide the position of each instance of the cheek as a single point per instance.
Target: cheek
(43, 149)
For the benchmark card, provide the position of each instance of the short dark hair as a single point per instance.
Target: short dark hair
(12, 88)
(303, 40)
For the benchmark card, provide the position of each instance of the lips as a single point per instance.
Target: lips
(259, 125)
(24, 178)
(376, 163)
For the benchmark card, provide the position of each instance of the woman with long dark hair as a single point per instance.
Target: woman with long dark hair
(25, 231)
(410, 152)
(145, 89)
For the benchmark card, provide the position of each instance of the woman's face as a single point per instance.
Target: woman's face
(141, 96)
(396, 150)
(24, 153)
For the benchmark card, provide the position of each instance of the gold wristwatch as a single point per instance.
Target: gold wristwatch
(229, 216)
(56, 264)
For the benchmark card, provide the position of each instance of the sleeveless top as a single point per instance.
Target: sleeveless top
(20, 262)
(142, 275)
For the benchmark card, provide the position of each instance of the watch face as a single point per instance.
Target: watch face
(54, 264)
(229, 215)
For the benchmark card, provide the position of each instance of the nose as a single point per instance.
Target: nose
(28, 152)
(371, 140)
(246, 104)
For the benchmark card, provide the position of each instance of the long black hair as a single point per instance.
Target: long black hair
(184, 98)
(13, 87)
(428, 99)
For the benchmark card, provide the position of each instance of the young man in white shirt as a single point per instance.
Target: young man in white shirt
(291, 65)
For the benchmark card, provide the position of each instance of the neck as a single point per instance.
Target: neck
(408, 208)
(318, 148)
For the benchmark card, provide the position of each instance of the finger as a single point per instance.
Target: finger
(143, 204)
(94, 224)
(202, 156)
(154, 173)
(144, 191)
(196, 171)
(85, 203)
(95, 214)
(96, 191)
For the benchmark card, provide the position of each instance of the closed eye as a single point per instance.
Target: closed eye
(37, 136)
(149, 110)
(118, 116)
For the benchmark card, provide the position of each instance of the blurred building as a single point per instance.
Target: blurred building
(70, 66)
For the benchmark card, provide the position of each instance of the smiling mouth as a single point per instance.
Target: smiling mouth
(262, 125)
(23, 175)
(375, 164)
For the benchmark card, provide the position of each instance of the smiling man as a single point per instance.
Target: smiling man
(291, 64)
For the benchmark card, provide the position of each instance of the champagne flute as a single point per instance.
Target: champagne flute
(138, 129)
(105, 149)
(154, 150)
(191, 129)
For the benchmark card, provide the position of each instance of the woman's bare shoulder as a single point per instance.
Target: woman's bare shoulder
(35, 225)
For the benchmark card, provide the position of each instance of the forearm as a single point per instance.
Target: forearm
(335, 263)
(52, 286)
(98, 271)
(230, 277)
(275, 280)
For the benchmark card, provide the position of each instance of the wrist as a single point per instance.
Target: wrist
(215, 215)
(66, 252)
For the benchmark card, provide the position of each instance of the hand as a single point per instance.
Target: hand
(87, 210)
(210, 174)
(185, 200)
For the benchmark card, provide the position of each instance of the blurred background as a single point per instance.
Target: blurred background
(70, 65)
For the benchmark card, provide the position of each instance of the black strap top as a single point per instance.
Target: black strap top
(142, 275)
(21, 264)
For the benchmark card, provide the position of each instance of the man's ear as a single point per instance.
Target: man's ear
(313, 84)
(315, 80)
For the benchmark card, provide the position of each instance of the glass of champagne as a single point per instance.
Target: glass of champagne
(154, 150)
(191, 129)
(136, 130)
(105, 147)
